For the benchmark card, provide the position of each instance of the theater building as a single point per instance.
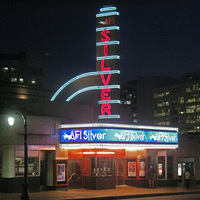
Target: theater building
(92, 144)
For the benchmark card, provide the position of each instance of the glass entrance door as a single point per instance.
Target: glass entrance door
(183, 165)
(74, 174)
(120, 172)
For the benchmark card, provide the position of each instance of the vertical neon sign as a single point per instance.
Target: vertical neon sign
(107, 36)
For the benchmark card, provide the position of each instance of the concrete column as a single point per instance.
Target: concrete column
(50, 163)
(8, 161)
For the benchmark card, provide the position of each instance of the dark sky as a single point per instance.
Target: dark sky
(157, 37)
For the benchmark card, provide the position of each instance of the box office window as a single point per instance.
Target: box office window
(33, 163)
(102, 166)
(33, 166)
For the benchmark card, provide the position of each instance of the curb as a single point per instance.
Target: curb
(138, 196)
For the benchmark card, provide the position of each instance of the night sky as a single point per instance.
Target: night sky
(157, 37)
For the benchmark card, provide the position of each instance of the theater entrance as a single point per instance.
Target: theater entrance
(74, 174)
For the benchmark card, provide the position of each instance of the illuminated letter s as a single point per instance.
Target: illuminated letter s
(106, 37)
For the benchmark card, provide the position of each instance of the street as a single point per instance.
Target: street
(174, 197)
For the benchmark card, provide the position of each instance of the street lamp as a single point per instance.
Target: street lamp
(24, 195)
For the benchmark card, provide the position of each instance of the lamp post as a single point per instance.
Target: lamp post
(25, 195)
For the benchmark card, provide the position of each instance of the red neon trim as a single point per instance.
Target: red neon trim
(106, 37)
(105, 81)
(104, 94)
(109, 21)
(105, 109)
(105, 50)
(103, 68)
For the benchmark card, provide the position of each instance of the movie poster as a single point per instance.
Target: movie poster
(132, 169)
(61, 172)
(142, 169)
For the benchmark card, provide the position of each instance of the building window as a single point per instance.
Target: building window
(190, 88)
(127, 102)
(198, 119)
(5, 69)
(197, 97)
(163, 112)
(129, 96)
(198, 87)
(162, 94)
(135, 121)
(190, 119)
(13, 69)
(163, 123)
(191, 99)
(162, 103)
(181, 100)
(33, 166)
(197, 108)
(21, 80)
(13, 80)
(191, 109)
(191, 129)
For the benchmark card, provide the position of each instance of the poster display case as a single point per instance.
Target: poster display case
(132, 168)
(60, 173)
(137, 168)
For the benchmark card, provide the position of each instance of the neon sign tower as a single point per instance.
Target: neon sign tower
(108, 59)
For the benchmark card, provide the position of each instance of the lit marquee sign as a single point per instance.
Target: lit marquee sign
(101, 135)
(107, 37)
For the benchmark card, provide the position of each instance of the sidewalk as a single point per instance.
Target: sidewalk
(118, 193)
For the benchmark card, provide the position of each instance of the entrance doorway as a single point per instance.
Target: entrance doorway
(43, 170)
(74, 174)
(183, 165)
(120, 172)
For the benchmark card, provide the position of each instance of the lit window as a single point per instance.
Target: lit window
(181, 99)
(190, 109)
(127, 102)
(13, 80)
(5, 69)
(135, 121)
(198, 118)
(33, 166)
(13, 69)
(191, 119)
(33, 81)
(129, 96)
(21, 80)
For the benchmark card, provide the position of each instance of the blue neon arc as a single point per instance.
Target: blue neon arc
(108, 57)
(108, 101)
(109, 116)
(108, 9)
(92, 88)
(107, 14)
(108, 28)
(82, 76)
(107, 43)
